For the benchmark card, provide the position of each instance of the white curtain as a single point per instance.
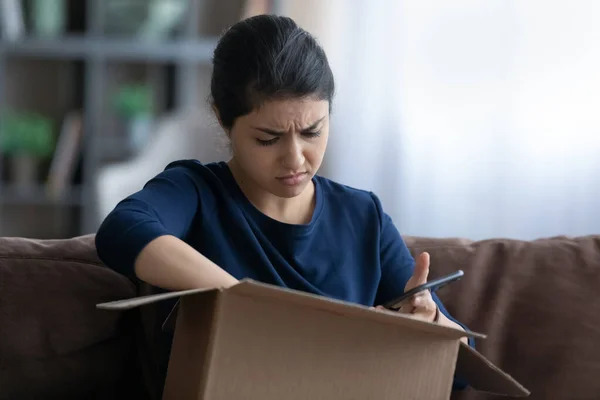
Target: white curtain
(468, 118)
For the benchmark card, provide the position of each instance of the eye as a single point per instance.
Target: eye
(312, 134)
(266, 142)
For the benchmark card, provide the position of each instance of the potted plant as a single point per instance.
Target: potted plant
(26, 139)
(134, 104)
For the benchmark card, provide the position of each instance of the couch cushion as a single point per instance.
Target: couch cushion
(54, 343)
(538, 302)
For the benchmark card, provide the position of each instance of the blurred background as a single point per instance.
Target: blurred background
(473, 119)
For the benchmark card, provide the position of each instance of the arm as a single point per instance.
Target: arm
(398, 267)
(143, 236)
(170, 263)
(399, 270)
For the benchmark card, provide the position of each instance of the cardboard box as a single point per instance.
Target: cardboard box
(258, 341)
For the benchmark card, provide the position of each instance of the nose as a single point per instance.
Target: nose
(293, 156)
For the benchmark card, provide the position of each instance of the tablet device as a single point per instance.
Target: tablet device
(431, 286)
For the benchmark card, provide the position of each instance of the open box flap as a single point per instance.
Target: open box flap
(256, 289)
(484, 376)
(251, 288)
(127, 304)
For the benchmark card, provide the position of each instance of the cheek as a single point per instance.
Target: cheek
(317, 149)
(314, 154)
(254, 158)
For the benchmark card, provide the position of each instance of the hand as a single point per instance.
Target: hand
(421, 305)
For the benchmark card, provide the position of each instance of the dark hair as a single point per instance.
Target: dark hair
(263, 58)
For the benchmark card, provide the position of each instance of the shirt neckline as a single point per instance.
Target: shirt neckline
(267, 222)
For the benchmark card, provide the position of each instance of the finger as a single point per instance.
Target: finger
(421, 271)
(377, 308)
(406, 309)
(417, 301)
(421, 298)
(426, 311)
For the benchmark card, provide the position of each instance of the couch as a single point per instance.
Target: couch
(536, 300)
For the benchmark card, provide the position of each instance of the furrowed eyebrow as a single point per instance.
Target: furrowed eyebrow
(269, 131)
(272, 132)
(313, 126)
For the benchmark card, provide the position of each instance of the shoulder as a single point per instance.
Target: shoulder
(352, 200)
(194, 168)
(341, 191)
(190, 171)
(206, 181)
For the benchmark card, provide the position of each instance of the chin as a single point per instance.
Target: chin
(288, 192)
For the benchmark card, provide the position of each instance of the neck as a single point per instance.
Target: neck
(295, 210)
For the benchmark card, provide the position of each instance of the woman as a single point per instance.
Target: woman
(265, 214)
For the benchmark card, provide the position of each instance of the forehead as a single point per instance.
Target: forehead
(287, 112)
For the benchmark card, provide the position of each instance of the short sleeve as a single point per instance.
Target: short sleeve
(397, 266)
(397, 263)
(166, 205)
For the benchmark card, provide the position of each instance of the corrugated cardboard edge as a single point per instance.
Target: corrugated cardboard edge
(484, 376)
(134, 302)
(249, 287)
(252, 288)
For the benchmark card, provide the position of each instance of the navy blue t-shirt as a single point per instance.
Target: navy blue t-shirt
(350, 250)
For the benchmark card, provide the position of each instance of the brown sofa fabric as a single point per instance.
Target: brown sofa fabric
(54, 343)
(538, 303)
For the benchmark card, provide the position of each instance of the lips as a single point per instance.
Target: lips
(292, 179)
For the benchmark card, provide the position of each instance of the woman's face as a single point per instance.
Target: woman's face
(280, 146)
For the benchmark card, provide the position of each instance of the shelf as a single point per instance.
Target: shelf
(82, 70)
(199, 51)
(10, 195)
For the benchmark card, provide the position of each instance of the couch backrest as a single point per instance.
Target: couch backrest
(54, 343)
(536, 300)
(538, 303)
